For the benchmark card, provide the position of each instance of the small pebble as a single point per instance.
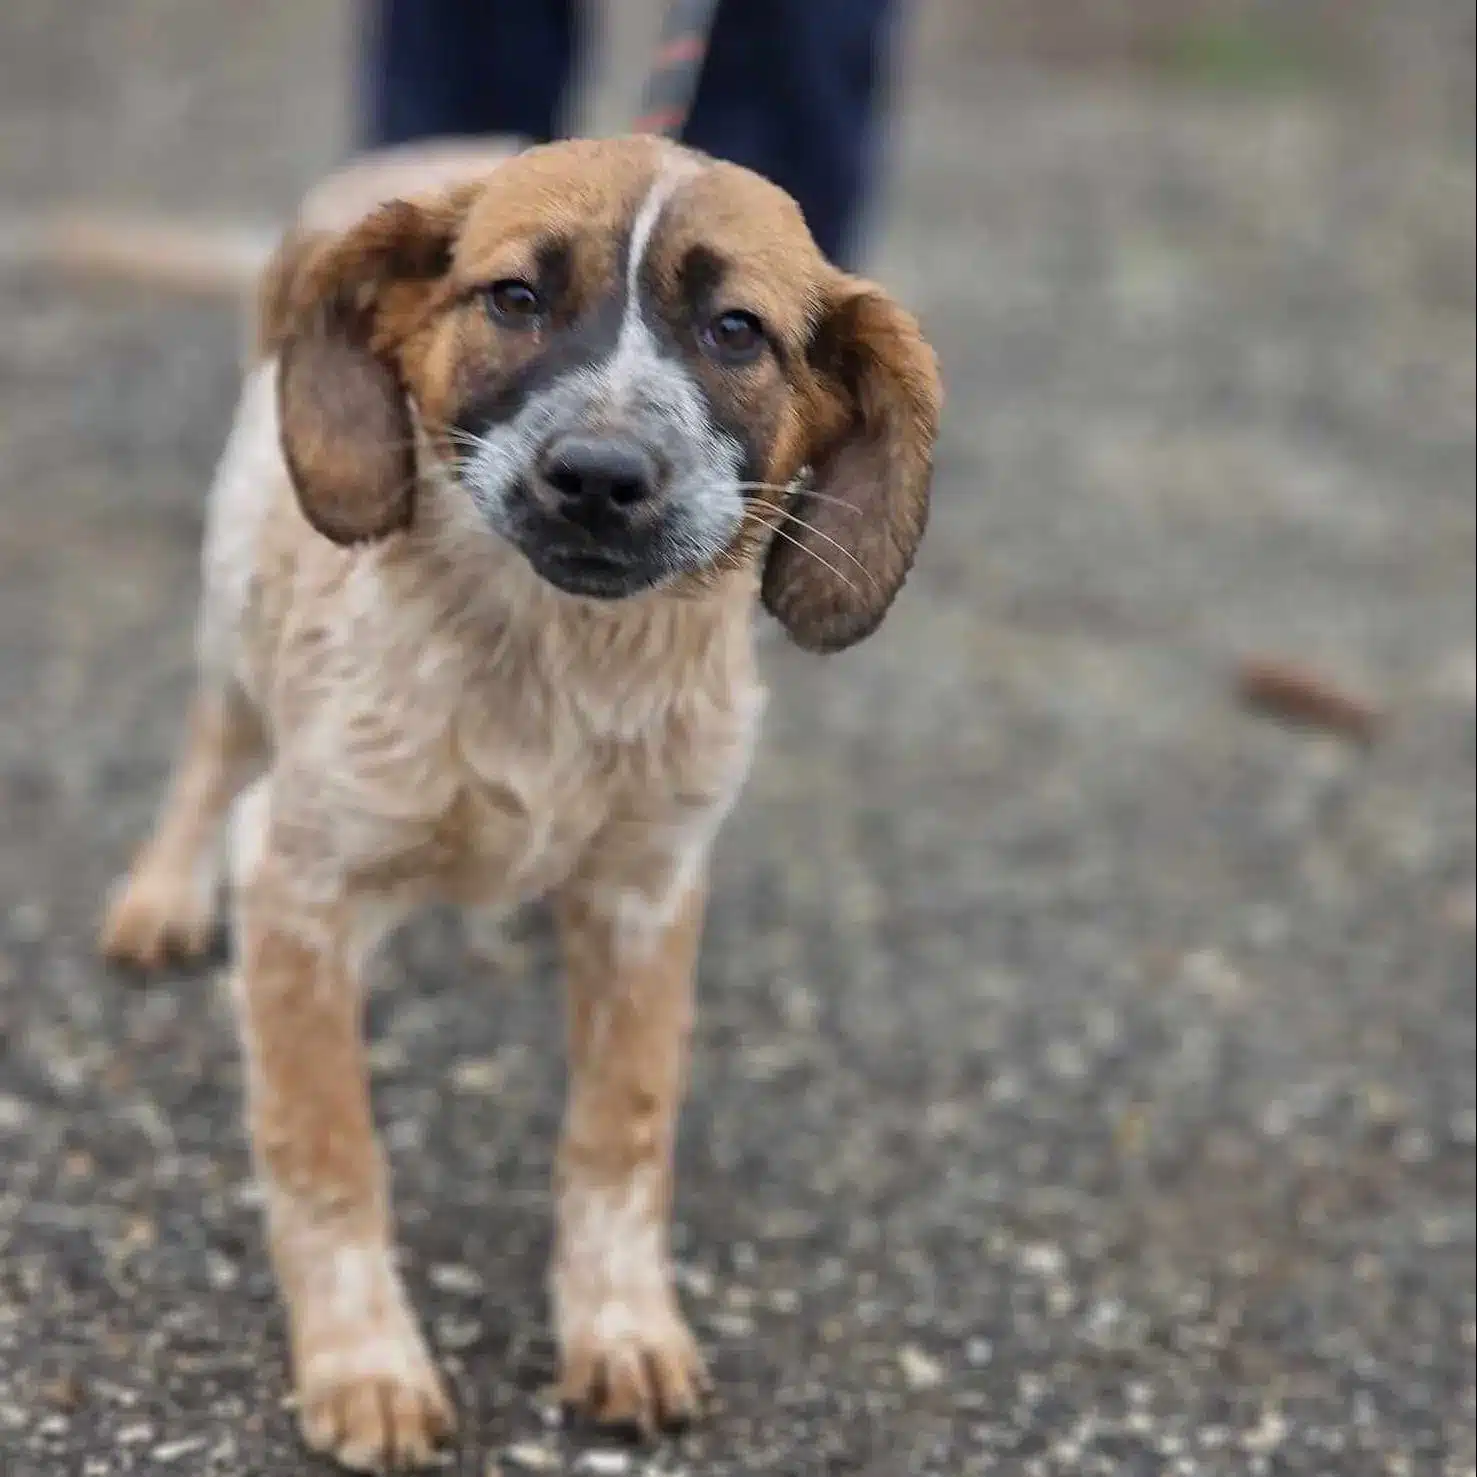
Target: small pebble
(732, 1325)
(15, 1113)
(386, 1055)
(694, 1281)
(921, 1371)
(172, 1451)
(604, 1463)
(116, 1394)
(1267, 1436)
(527, 1457)
(1043, 1260)
(480, 1076)
(457, 1334)
(220, 1271)
(456, 1279)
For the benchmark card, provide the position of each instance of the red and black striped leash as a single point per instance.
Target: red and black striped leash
(672, 83)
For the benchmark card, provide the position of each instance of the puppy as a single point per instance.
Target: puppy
(514, 465)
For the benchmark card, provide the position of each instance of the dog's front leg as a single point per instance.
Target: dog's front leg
(367, 1391)
(627, 1355)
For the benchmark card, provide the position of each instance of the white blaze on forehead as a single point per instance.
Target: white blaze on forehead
(675, 173)
(636, 350)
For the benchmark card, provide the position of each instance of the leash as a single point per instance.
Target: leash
(672, 82)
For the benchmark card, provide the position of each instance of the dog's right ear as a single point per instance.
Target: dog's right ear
(334, 309)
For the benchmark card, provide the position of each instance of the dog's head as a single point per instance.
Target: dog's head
(624, 354)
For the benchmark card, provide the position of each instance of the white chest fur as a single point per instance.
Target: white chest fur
(498, 739)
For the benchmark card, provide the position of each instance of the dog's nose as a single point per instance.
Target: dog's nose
(593, 474)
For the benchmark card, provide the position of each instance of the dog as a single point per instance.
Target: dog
(516, 460)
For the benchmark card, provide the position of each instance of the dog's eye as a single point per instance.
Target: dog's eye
(514, 303)
(735, 337)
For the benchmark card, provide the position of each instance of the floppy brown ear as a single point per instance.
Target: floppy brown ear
(830, 583)
(343, 415)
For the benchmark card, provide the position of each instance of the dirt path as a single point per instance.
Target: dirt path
(1085, 1077)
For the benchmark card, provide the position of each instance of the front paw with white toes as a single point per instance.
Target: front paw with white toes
(630, 1361)
(369, 1396)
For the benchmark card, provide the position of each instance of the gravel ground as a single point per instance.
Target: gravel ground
(1085, 1079)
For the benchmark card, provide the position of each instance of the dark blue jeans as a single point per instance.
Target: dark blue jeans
(790, 88)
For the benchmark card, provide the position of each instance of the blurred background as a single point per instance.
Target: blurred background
(1085, 1077)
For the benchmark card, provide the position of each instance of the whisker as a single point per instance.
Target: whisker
(797, 489)
(818, 532)
(806, 549)
(820, 497)
(827, 497)
(761, 486)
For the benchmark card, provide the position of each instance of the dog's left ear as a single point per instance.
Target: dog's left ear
(844, 556)
(334, 309)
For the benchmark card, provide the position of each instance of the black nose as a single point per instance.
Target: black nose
(592, 474)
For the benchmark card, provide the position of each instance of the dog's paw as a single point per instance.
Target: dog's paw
(371, 1399)
(156, 914)
(633, 1367)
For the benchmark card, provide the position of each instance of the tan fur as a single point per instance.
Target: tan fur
(442, 723)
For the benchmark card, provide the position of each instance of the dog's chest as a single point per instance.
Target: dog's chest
(487, 735)
(546, 775)
(521, 814)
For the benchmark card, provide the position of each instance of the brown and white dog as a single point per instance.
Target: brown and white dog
(514, 464)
